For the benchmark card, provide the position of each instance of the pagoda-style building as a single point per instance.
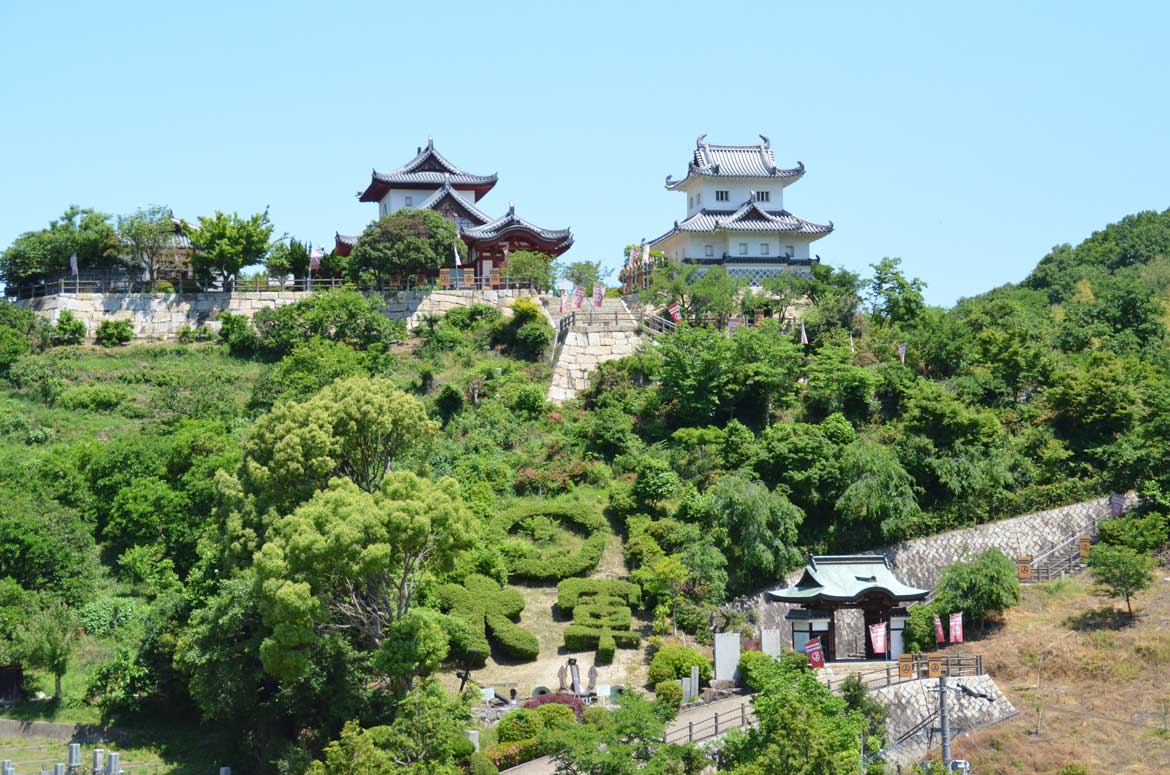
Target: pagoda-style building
(735, 214)
(430, 182)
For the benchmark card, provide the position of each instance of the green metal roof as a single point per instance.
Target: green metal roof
(846, 578)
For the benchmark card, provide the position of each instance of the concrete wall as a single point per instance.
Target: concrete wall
(160, 316)
(921, 562)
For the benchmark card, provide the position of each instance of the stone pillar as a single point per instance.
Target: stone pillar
(726, 656)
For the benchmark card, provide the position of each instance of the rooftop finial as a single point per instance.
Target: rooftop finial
(511, 207)
(767, 142)
(699, 142)
(430, 142)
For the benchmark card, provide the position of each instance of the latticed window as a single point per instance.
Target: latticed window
(722, 196)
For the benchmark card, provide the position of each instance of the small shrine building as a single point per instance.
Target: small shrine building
(430, 182)
(830, 583)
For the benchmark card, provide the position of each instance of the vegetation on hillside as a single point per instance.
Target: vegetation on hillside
(287, 534)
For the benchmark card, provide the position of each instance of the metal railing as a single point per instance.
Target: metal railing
(712, 726)
(657, 324)
(65, 286)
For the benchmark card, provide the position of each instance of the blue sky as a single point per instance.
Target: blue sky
(966, 140)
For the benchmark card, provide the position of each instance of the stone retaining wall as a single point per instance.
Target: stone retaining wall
(921, 561)
(910, 702)
(581, 354)
(160, 316)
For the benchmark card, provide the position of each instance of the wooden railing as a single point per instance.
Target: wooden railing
(712, 726)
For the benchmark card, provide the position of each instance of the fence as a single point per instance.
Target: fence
(564, 325)
(1066, 557)
(71, 285)
(712, 726)
(43, 759)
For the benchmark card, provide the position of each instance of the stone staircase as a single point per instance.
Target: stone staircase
(587, 337)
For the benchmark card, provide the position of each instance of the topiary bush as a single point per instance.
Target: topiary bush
(515, 753)
(675, 661)
(601, 615)
(542, 555)
(570, 701)
(569, 592)
(478, 764)
(520, 724)
(488, 609)
(111, 333)
(668, 694)
(555, 716)
(597, 717)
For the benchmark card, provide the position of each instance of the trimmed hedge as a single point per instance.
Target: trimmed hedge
(755, 667)
(669, 694)
(554, 565)
(478, 764)
(674, 661)
(570, 591)
(505, 755)
(487, 609)
(519, 725)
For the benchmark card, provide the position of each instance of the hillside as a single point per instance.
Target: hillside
(296, 526)
(1092, 688)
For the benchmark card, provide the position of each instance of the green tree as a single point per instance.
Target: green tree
(415, 645)
(351, 561)
(695, 377)
(83, 231)
(878, 502)
(1120, 571)
(404, 242)
(893, 297)
(540, 268)
(225, 244)
(147, 235)
(981, 589)
(291, 257)
(47, 641)
(761, 530)
(585, 274)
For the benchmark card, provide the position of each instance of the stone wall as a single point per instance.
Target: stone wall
(160, 316)
(921, 562)
(910, 702)
(580, 355)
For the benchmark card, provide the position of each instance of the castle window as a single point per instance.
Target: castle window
(743, 249)
(789, 251)
(722, 196)
(763, 248)
(762, 196)
(708, 251)
(408, 201)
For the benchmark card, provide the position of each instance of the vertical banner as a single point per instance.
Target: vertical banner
(563, 297)
(816, 654)
(598, 294)
(675, 312)
(73, 265)
(803, 334)
(902, 352)
(1116, 504)
(938, 630)
(578, 297)
(877, 638)
(957, 627)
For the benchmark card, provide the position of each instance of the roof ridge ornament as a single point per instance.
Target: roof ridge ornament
(699, 142)
(767, 142)
(511, 208)
(430, 143)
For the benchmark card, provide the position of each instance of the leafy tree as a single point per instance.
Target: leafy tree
(1120, 571)
(147, 235)
(893, 297)
(83, 231)
(878, 502)
(761, 529)
(695, 378)
(404, 242)
(149, 511)
(980, 589)
(1144, 534)
(584, 274)
(45, 547)
(338, 315)
(310, 366)
(291, 257)
(415, 645)
(225, 244)
(350, 561)
(47, 641)
(835, 385)
(540, 268)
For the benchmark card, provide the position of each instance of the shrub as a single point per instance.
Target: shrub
(529, 401)
(570, 591)
(97, 398)
(919, 636)
(606, 647)
(554, 715)
(526, 334)
(981, 589)
(601, 615)
(478, 764)
(237, 333)
(340, 315)
(754, 667)
(102, 617)
(597, 717)
(189, 335)
(570, 701)
(515, 753)
(485, 607)
(114, 332)
(164, 286)
(1142, 534)
(68, 330)
(555, 562)
(668, 694)
(675, 661)
(520, 724)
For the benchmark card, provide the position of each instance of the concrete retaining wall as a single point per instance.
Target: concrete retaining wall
(160, 316)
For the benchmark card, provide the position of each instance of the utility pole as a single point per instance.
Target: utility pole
(943, 721)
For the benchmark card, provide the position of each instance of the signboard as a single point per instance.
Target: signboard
(934, 667)
(495, 277)
(905, 667)
(957, 627)
(1024, 568)
(1085, 544)
(938, 630)
(469, 276)
(487, 695)
(444, 277)
(816, 654)
(877, 637)
(603, 690)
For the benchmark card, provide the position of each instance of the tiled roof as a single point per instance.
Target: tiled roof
(736, 161)
(446, 172)
(511, 221)
(846, 578)
(346, 239)
(446, 191)
(750, 218)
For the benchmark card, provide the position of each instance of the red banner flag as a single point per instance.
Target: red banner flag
(957, 627)
(598, 294)
(803, 335)
(938, 630)
(563, 296)
(877, 637)
(675, 311)
(902, 352)
(815, 653)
